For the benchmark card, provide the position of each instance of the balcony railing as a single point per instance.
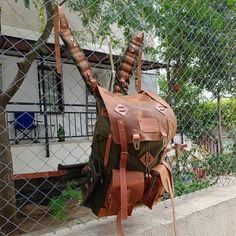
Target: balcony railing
(28, 124)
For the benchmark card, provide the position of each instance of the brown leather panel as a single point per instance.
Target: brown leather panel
(153, 191)
(157, 98)
(102, 212)
(135, 186)
(160, 181)
(171, 118)
(138, 108)
(148, 125)
(163, 172)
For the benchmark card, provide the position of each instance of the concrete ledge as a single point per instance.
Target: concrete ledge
(206, 213)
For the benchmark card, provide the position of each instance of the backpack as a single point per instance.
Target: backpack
(127, 166)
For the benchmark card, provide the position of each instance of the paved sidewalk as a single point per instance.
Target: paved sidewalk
(204, 213)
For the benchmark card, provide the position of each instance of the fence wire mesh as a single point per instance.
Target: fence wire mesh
(47, 120)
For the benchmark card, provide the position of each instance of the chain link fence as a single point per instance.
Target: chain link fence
(47, 120)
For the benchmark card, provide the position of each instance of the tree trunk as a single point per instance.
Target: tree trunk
(8, 208)
(7, 190)
(220, 142)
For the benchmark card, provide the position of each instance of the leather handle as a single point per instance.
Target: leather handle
(75, 51)
(127, 64)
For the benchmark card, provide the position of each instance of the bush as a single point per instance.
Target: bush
(58, 204)
(188, 182)
(202, 173)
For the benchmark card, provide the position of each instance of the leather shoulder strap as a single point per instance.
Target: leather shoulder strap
(127, 64)
(139, 71)
(75, 51)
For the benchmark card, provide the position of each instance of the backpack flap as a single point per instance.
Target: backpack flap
(146, 118)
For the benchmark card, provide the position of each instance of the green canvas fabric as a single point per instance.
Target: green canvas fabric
(98, 176)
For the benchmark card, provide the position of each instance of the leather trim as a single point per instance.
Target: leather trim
(107, 151)
(123, 161)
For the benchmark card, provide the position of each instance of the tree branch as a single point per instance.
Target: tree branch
(24, 66)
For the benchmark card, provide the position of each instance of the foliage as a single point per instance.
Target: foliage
(220, 165)
(197, 114)
(188, 182)
(194, 174)
(198, 119)
(58, 204)
(196, 34)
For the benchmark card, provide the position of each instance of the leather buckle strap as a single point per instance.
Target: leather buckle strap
(123, 161)
(139, 71)
(171, 192)
(107, 151)
(119, 224)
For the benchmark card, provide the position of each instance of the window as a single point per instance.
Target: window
(50, 89)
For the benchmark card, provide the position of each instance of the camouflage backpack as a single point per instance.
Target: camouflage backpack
(126, 167)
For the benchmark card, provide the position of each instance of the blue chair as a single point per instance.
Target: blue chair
(26, 125)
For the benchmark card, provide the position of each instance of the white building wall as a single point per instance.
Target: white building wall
(32, 157)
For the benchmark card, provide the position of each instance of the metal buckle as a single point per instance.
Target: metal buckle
(136, 141)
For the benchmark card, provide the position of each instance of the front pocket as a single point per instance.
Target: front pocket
(156, 185)
(135, 189)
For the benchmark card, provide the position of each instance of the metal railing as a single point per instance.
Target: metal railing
(45, 125)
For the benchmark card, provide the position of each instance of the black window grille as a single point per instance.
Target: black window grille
(50, 89)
